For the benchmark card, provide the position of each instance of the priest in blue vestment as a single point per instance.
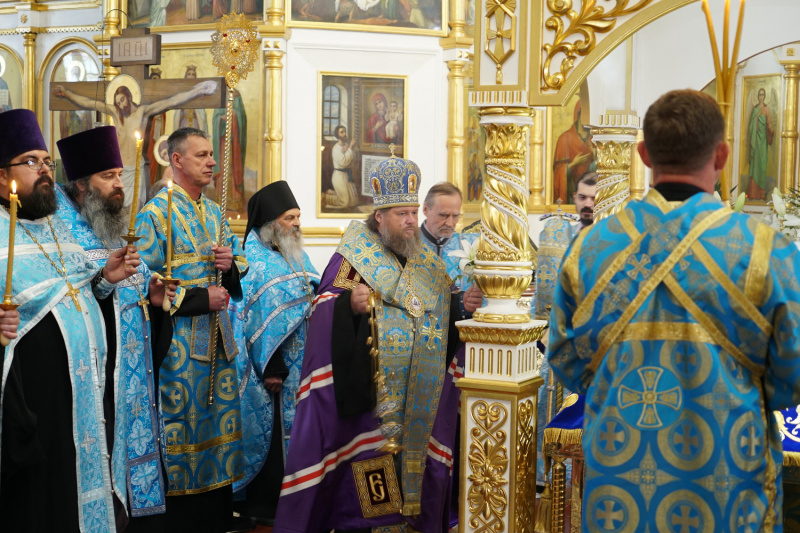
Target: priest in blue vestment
(58, 374)
(677, 318)
(91, 204)
(198, 381)
(271, 325)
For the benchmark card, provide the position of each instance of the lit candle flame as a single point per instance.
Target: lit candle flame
(169, 184)
(137, 135)
(13, 186)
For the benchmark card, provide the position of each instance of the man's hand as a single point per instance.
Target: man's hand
(121, 264)
(59, 91)
(218, 298)
(157, 291)
(358, 299)
(273, 383)
(9, 322)
(206, 87)
(223, 257)
(472, 299)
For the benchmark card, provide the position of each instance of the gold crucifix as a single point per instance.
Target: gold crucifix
(73, 293)
(144, 302)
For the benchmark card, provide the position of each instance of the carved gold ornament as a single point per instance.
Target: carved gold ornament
(512, 337)
(526, 466)
(235, 47)
(613, 169)
(502, 13)
(488, 461)
(583, 27)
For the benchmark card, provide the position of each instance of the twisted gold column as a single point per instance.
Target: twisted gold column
(456, 131)
(613, 146)
(504, 262)
(29, 80)
(273, 103)
(789, 133)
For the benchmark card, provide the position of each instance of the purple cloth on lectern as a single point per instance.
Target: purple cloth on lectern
(319, 492)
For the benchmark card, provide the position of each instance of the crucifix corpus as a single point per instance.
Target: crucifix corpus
(131, 100)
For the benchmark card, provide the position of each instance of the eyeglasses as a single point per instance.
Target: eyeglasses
(34, 165)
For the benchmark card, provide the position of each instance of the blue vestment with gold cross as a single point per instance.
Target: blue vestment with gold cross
(456, 242)
(269, 321)
(678, 321)
(136, 457)
(203, 442)
(40, 290)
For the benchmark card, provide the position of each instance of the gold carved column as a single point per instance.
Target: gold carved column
(112, 24)
(638, 172)
(501, 370)
(537, 160)
(788, 175)
(614, 141)
(29, 80)
(456, 128)
(273, 108)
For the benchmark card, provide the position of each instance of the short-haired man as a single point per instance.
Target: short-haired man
(271, 324)
(91, 204)
(361, 412)
(585, 192)
(677, 318)
(55, 466)
(198, 383)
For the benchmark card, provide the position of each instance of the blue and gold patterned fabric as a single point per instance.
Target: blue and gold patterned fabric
(554, 240)
(136, 458)
(452, 262)
(678, 321)
(39, 290)
(203, 442)
(395, 183)
(269, 321)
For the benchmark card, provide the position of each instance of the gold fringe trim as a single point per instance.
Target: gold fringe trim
(412, 509)
(791, 458)
(544, 514)
(562, 436)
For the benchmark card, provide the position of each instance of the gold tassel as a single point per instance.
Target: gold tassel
(562, 436)
(791, 458)
(544, 514)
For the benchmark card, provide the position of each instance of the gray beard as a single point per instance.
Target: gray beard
(108, 226)
(400, 244)
(290, 243)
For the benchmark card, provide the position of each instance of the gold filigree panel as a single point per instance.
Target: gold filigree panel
(613, 168)
(578, 36)
(525, 490)
(501, 32)
(489, 335)
(488, 461)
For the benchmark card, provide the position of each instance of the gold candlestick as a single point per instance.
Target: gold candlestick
(131, 236)
(7, 305)
(168, 265)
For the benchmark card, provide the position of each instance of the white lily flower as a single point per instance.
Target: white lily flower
(738, 205)
(791, 220)
(778, 204)
(717, 196)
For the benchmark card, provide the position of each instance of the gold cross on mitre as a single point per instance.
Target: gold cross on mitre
(392, 149)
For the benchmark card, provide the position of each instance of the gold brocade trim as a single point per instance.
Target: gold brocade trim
(512, 337)
(584, 311)
(655, 198)
(646, 288)
(342, 281)
(179, 296)
(719, 337)
(570, 265)
(759, 264)
(791, 458)
(185, 259)
(488, 460)
(187, 492)
(666, 331)
(208, 280)
(412, 509)
(561, 436)
(376, 484)
(730, 287)
(203, 446)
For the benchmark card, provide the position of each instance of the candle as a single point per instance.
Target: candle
(169, 229)
(12, 198)
(135, 202)
(713, 37)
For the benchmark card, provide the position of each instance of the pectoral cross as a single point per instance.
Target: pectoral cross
(144, 302)
(73, 293)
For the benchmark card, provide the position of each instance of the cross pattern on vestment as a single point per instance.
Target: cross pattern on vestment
(685, 520)
(650, 398)
(132, 344)
(686, 360)
(639, 267)
(88, 441)
(608, 515)
(136, 409)
(747, 517)
(611, 436)
(368, 254)
(396, 345)
(139, 437)
(227, 384)
(231, 426)
(174, 437)
(174, 396)
(433, 332)
(750, 441)
(686, 440)
(82, 370)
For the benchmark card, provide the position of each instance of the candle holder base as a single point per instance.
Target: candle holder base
(130, 238)
(168, 281)
(6, 306)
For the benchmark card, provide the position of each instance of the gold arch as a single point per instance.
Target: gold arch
(16, 57)
(59, 47)
(610, 41)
